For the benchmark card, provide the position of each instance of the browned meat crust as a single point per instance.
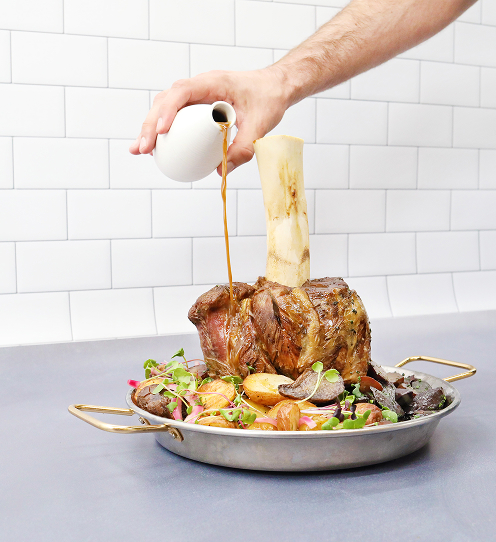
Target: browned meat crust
(280, 329)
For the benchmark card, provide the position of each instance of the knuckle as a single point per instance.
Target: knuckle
(245, 152)
(159, 97)
(180, 83)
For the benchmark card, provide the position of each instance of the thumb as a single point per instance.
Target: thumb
(241, 150)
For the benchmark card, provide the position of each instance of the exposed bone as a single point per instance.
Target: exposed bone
(280, 164)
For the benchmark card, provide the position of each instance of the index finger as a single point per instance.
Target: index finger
(183, 92)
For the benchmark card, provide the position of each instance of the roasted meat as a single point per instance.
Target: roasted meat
(279, 329)
(229, 342)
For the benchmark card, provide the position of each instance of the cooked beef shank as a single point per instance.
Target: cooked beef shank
(229, 342)
(275, 328)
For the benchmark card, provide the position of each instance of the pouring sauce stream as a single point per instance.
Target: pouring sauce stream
(224, 127)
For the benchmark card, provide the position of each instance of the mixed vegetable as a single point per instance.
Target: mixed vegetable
(183, 390)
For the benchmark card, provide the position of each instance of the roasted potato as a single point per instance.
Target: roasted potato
(272, 413)
(262, 426)
(151, 382)
(288, 416)
(260, 410)
(319, 420)
(375, 412)
(214, 400)
(216, 421)
(262, 387)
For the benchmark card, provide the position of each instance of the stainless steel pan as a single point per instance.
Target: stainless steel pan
(289, 450)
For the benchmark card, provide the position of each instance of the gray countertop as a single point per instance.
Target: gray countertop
(61, 479)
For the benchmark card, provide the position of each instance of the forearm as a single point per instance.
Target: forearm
(363, 35)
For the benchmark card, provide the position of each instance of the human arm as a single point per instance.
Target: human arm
(363, 35)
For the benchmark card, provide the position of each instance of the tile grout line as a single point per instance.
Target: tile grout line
(65, 116)
(66, 215)
(70, 315)
(480, 86)
(349, 167)
(450, 209)
(108, 164)
(416, 254)
(149, 19)
(110, 262)
(479, 170)
(313, 97)
(154, 311)
(418, 169)
(15, 267)
(454, 291)
(389, 296)
(108, 65)
(10, 47)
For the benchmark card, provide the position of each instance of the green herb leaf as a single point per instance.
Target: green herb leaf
(248, 417)
(173, 365)
(356, 390)
(234, 379)
(230, 414)
(179, 354)
(354, 424)
(172, 405)
(181, 376)
(390, 415)
(358, 423)
(330, 424)
(189, 409)
(317, 367)
(148, 372)
(149, 363)
(158, 389)
(331, 375)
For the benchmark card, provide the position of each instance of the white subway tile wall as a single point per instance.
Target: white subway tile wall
(488, 249)
(60, 163)
(422, 294)
(6, 166)
(120, 18)
(59, 59)
(63, 265)
(400, 167)
(5, 56)
(394, 81)
(488, 87)
(8, 283)
(487, 169)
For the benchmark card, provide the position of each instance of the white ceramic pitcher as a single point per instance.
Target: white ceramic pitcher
(192, 148)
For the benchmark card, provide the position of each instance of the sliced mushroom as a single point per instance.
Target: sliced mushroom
(303, 386)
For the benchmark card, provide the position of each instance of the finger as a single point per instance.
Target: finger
(206, 88)
(177, 97)
(148, 135)
(241, 150)
(134, 147)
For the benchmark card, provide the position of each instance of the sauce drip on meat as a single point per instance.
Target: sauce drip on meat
(224, 127)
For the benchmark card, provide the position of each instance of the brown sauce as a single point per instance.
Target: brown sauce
(224, 127)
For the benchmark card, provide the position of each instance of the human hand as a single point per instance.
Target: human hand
(258, 98)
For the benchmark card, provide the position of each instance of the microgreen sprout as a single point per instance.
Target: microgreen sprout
(330, 375)
(390, 415)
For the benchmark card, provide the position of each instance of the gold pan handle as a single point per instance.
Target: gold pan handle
(78, 411)
(470, 369)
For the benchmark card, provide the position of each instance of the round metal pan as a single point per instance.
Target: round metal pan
(290, 450)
